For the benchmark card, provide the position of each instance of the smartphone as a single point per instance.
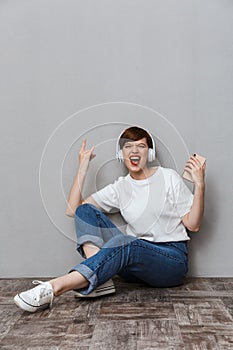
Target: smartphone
(201, 159)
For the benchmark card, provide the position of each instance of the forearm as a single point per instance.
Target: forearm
(75, 196)
(196, 213)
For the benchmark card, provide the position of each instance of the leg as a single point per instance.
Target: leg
(163, 264)
(93, 229)
(73, 280)
(90, 249)
(41, 296)
(159, 265)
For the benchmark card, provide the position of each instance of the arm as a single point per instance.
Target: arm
(75, 196)
(192, 220)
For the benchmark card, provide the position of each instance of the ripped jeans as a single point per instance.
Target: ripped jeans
(136, 260)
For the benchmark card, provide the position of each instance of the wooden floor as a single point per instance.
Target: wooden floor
(197, 315)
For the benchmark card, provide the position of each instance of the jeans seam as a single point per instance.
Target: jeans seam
(159, 251)
(110, 256)
(142, 246)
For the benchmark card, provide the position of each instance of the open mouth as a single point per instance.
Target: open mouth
(135, 160)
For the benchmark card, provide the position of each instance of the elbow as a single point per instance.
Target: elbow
(194, 229)
(69, 213)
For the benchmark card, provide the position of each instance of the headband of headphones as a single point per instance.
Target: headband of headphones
(151, 151)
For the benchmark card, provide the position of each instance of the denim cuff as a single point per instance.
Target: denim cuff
(89, 275)
(97, 241)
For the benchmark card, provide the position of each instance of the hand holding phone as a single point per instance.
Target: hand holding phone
(186, 175)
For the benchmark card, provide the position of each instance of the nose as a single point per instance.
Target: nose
(135, 149)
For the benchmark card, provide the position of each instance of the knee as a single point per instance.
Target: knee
(82, 210)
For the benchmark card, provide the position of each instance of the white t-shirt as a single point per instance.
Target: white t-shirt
(152, 208)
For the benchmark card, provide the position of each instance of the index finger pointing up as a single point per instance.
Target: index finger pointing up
(83, 145)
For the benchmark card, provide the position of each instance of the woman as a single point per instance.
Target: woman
(157, 207)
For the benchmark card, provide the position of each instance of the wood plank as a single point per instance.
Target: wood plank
(114, 335)
(78, 336)
(207, 337)
(159, 332)
(8, 317)
(202, 312)
(136, 310)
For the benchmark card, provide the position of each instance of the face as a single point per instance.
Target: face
(135, 155)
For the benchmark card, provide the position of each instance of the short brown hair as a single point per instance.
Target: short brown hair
(135, 133)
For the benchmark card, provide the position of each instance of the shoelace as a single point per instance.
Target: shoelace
(42, 294)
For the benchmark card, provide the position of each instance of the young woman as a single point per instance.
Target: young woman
(157, 207)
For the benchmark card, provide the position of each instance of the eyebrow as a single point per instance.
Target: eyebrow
(130, 142)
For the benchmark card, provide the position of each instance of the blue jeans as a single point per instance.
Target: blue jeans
(136, 260)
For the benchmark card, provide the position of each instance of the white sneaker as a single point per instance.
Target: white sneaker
(105, 288)
(37, 298)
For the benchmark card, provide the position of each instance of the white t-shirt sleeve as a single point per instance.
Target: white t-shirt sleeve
(108, 198)
(183, 197)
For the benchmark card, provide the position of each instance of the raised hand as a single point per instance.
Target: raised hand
(85, 155)
(196, 170)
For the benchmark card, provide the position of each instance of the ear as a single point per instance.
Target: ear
(120, 156)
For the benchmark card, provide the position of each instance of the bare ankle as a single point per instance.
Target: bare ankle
(71, 281)
(90, 249)
(54, 286)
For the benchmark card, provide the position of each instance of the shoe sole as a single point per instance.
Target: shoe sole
(97, 292)
(28, 307)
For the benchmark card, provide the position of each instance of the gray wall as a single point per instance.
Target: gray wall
(163, 64)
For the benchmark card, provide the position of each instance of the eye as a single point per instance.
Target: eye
(141, 146)
(127, 146)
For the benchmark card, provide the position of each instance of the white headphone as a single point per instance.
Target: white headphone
(151, 151)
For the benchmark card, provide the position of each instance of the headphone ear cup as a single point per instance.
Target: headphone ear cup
(120, 156)
(151, 155)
